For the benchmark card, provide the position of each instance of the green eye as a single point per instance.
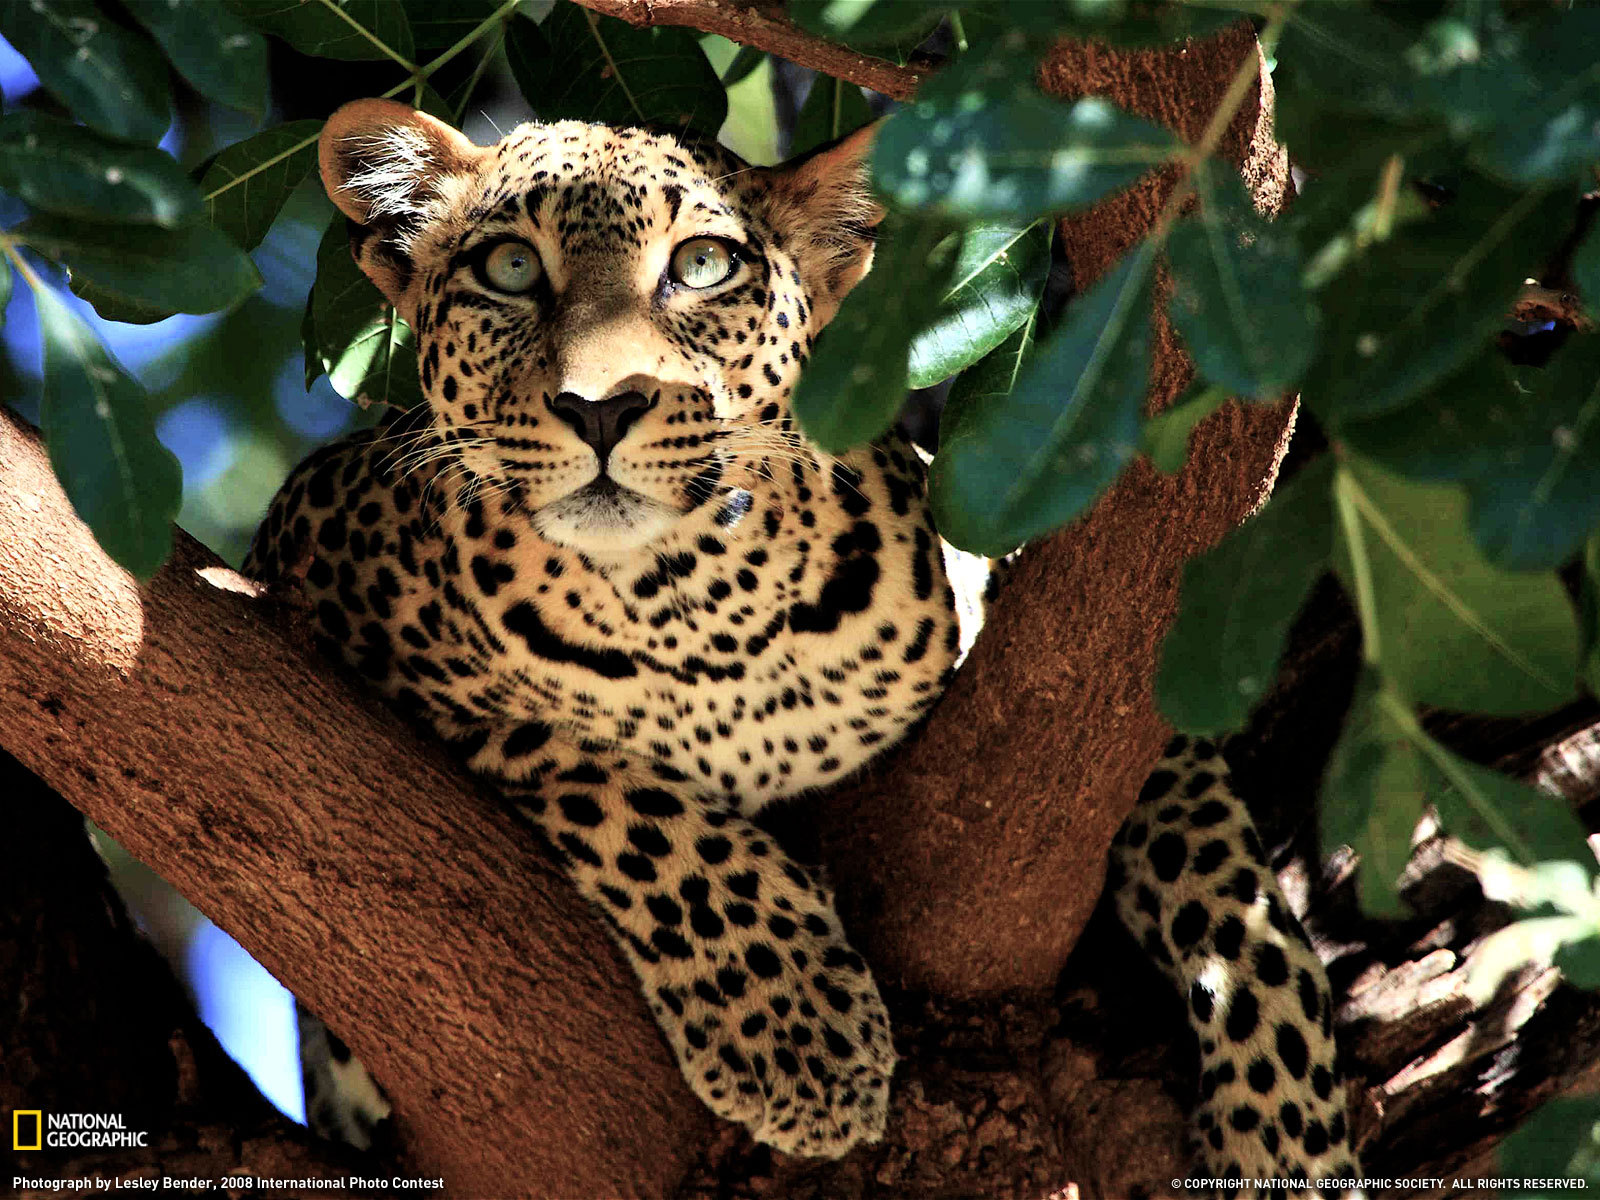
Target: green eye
(511, 267)
(702, 263)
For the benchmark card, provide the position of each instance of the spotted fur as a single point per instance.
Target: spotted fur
(643, 639)
(1192, 884)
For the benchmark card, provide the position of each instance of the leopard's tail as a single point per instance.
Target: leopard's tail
(343, 1104)
(1193, 886)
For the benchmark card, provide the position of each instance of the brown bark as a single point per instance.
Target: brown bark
(971, 862)
(101, 1025)
(342, 851)
(765, 27)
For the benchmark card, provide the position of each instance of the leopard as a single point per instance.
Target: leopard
(602, 561)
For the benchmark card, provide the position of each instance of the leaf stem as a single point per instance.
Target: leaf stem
(416, 78)
(497, 17)
(611, 63)
(1360, 565)
(8, 247)
(460, 111)
(377, 42)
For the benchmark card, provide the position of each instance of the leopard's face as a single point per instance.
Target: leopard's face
(609, 322)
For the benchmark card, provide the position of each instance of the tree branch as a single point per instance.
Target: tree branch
(969, 865)
(349, 856)
(766, 28)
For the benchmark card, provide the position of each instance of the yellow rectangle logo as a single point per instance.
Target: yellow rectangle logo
(18, 1124)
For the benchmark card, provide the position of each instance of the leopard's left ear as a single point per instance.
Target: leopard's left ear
(822, 205)
(389, 168)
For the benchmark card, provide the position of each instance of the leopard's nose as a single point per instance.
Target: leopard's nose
(601, 423)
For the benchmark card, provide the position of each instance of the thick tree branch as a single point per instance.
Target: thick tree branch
(344, 853)
(970, 864)
(766, 28)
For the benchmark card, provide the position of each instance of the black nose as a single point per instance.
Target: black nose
(601, 423)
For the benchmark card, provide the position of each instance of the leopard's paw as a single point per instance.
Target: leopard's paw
(790, 1038)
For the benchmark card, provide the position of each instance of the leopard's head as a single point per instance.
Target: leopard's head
(609, 322)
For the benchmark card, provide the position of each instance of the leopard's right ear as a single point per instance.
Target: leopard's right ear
(390, 168)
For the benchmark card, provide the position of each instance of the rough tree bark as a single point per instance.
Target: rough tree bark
(971, 862)
(766, 27)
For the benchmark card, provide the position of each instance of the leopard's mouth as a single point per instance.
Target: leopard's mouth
(604, 515)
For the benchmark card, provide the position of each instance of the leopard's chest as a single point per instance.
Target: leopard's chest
(756, 693)
(756, 670)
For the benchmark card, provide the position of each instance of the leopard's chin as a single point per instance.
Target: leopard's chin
(605, 518)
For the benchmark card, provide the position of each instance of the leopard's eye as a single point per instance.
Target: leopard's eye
(512, 267)
(702, 262)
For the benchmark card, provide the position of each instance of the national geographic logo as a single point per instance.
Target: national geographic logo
(27, 1129)
(33, 1129)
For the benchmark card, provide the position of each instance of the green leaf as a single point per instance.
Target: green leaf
(852, 388)
(1446, 626)
(192, 269)
(1134, 24)
(587, 67)
(308, 340)
(5, 288)
(1488, 810)
(984, 385)
(1373, 794)
(1549, 129)
(1034, 460)
(898, 25)
(1561, 1139)
(1409, 310)
(1237, 604)
(744, 64)
(1586, 272)
(1165, 438)
(222, 57)
(1236, 292)
(1000, 150)
(1589, 605)
(248, 183)
(1459, 69)
(366, 349)
(1579, 963)
(343, 29)
(833, 108)
(110, 306)
(1524, 440)
(439, 24)
(96, 420)
(1346, 156)
(999, 277)
(109, 76)
(59, 167)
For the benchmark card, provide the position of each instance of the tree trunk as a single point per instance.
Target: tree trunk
(969, 864)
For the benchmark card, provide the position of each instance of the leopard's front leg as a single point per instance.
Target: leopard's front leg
(776, 1021)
